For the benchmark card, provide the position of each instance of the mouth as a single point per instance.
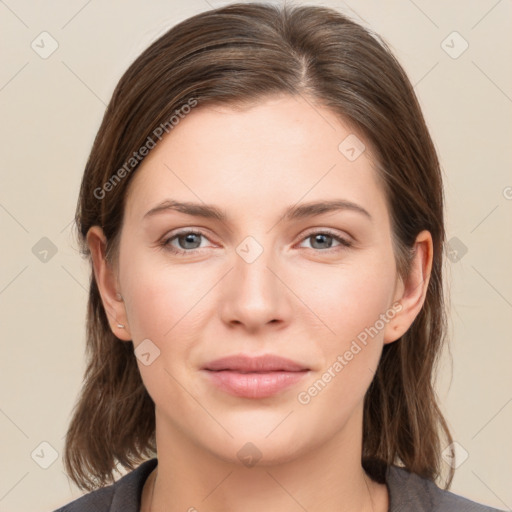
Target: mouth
(260, 364)
(254, 377)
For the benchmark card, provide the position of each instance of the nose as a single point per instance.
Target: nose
(253, 294)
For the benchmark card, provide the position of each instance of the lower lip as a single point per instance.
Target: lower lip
(254, 385)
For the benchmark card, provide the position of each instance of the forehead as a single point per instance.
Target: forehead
(279, 151)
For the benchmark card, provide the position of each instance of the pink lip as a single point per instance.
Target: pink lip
(254, 377)
(245, 364)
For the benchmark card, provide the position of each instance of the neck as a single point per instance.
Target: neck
(327, 478)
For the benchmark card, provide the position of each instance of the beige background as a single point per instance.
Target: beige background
(51, 109)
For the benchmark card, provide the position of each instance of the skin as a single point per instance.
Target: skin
(299, 299)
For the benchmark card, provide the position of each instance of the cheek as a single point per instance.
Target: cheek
(350, 304)
(163, 303)
(160, 294)
(349, 300)
(349, 297)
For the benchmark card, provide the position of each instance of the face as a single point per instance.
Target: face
(269, 276)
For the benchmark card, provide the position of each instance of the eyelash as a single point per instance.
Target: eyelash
(344, 243)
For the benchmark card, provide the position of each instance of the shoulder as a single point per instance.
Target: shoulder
(410, 492)
(122, 496)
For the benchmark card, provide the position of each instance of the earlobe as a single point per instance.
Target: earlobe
(107, 284)
(411, 292)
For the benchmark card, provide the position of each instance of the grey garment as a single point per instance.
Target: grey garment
(407, 493)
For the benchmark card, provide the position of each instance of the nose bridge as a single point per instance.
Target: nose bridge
(255, 292)
(253, 257)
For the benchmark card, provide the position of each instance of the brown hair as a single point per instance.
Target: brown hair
(240, 54)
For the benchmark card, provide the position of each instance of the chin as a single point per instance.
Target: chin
(252, 448)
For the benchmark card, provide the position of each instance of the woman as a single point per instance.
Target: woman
(263, 211)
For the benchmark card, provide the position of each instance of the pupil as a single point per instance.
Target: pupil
(189, 238)
(321, 238)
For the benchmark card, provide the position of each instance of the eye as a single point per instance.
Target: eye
(325, 238)
(187, 240)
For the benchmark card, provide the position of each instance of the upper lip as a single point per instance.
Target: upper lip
(264, 363)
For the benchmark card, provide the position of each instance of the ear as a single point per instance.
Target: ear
(107, 284)
(411, 292)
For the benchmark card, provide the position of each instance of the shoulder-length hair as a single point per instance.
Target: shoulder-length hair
(240, 54)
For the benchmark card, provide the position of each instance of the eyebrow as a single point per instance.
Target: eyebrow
(293, 212)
